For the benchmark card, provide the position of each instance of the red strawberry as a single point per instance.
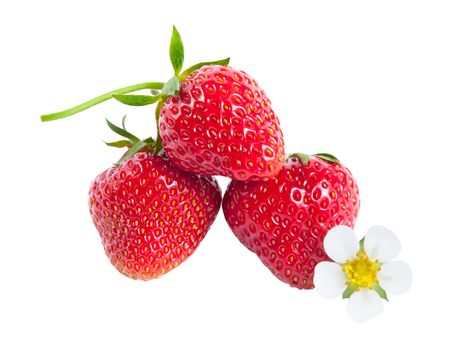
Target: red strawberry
(212, 120)
(222, 123)
(284, 219)
(150, 215)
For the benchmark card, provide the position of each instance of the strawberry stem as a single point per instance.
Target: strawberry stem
(158, 111)
(99, 99)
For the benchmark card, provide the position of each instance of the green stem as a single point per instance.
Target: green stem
(99, 99)
(158, 111)
(158, 145)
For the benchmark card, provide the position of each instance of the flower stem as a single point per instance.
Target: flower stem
(99, 99)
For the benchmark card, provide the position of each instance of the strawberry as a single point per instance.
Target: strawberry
(151, 215)
(211, 118)
(221, 123)
(284, 219)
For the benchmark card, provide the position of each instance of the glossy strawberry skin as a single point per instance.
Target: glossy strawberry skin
(222, 124)
(151, 215)
(284, 220)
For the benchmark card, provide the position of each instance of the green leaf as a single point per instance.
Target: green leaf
(176, 51)
(328, 157)
(123, 122)
(172, 87)
(381, 292)
(349, 291)
(122, 132)
(138, 146)
(187, 72)
(136, 100)
(148, 143)
(119, 144)
(304, 158)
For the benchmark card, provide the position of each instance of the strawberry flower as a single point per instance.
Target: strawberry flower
(362, 272)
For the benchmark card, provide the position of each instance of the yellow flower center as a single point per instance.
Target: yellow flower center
(361, 271)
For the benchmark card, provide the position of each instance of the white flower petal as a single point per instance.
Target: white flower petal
(395, 277)
(364, 305)
(381, 244)
(329, 279)
(341, 244)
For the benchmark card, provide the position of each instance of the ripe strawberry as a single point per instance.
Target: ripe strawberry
(211, 119)
(284, 219)
(222, 123)
(150, 215)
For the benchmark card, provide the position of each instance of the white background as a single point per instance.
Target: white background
(380, 84)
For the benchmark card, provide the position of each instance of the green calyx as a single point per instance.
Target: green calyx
(224, 62)
(349, 291)
(158, 90)
(304, 158)
(327, 157)
(381, 292)
(171, 88)
(355, 289)
(131, 142)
